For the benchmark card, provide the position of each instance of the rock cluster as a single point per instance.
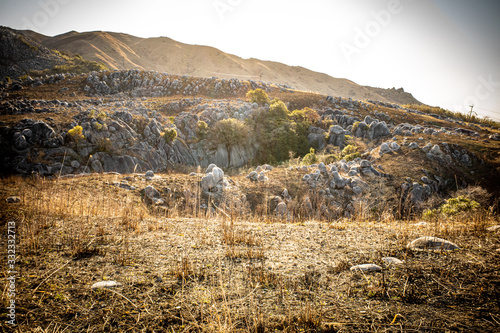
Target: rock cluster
(339, 183)
(214, 177)
(154, 84)
(259, 174)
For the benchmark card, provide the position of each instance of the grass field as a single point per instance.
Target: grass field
(183, 270)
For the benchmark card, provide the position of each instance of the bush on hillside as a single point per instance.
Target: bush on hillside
(452, 208)
(76, 134)
(278, 111)
(170, 135)
(202, 129)
(350, 153)
(305, 115)
(258, 96)
(310, 158)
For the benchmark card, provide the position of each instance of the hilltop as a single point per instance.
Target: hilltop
(120, 51)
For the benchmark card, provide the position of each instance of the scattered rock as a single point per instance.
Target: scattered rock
(13, 200)
(366, 268)
(413, 145)
(384, 148)
(427, 148)
(105, 284)
(218, 174)
(212, 178)
(97, 166)
(435, 150)
(432, 243)
(285, 195)
(152, 195)
(494, 137)
(281, 210)
(392, 261)
(493, 228)
(421, 224)
(253, 175)
(208, 182)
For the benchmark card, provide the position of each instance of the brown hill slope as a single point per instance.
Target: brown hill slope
(122, 51)
(20, 54)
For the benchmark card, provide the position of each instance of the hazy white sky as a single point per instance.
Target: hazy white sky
(445, 52)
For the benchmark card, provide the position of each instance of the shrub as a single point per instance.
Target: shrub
(430, 214)
(97, 126)
(354, 127)
(352, 157)
(202, 129)
(258, 96)
(348, 150)
(76, 134)
(102, 116)
(460, 204)
(310, 158)
(170, 135)
(453, 207)
(278, 110)
(350, 153)
(305, 115)
(281, 134)
(72, 64)
(329, 159)
(104, 145)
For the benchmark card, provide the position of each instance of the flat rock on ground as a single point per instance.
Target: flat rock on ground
(432, 243)
(366, 268)
(105, 284)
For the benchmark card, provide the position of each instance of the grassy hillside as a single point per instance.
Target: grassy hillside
(122, 51)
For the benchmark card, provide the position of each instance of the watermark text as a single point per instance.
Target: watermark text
(48, 9)
(363, 37)
(11, 272)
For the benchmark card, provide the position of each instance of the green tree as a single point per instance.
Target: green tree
(230, 133)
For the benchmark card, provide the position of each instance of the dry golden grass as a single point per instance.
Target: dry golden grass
(237, 273)
(237, 267)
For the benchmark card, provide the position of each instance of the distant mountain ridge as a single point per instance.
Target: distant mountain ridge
(163, 54)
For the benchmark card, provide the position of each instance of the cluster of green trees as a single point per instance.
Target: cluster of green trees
(280, 134)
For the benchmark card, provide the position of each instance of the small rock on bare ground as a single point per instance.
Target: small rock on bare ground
(421, 224)
(493, 228)
(366, 268)
(13, 200)
(105, 284)
(392, 261)
(432, 243)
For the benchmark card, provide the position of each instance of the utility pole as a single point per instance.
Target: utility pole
(471, 112)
